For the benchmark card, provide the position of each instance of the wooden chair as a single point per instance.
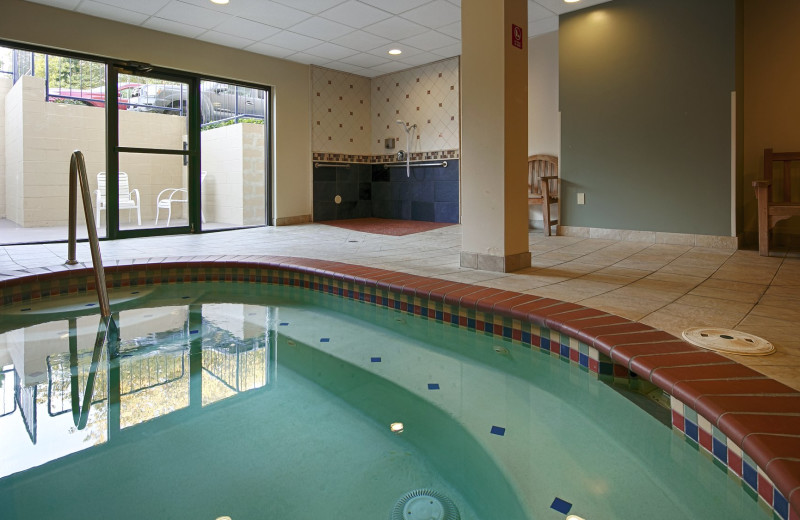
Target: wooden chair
(543, 187)
(775, 200)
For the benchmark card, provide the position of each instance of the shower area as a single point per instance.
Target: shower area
(387, 147)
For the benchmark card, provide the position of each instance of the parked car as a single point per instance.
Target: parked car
(95, 97)
(218, 100)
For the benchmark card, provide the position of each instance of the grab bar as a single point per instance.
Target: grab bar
(77, 172)
(443, 164)
(331, 165)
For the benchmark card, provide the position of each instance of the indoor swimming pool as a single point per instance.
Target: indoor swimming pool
(255, 401)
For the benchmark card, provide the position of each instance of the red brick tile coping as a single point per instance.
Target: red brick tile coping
(745, 422)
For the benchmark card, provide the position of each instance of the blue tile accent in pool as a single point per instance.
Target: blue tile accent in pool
(562, 506)
(545, 344)
(194, 331)
(375, 360)
(526, 337)
(284, 323)
(780, 504)
(471, 323)
(720, 450)
(90, 305)
(324, 340)
(507, 332)
(433, 386)
(498, 430)
(691, 430)
(564, 351)
(583, 360)
(488, 327)
(750, 475)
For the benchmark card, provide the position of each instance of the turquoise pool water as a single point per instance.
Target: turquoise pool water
(255, 402)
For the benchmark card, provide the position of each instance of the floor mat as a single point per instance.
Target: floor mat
(383, 226)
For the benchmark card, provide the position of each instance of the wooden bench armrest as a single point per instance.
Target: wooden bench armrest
(761, 184)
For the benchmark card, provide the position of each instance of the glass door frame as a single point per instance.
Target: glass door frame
(113, 150)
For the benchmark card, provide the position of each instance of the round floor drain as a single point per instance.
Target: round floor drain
(425, 504)
(728, 341)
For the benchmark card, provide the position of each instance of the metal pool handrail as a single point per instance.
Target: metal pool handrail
(77, 172)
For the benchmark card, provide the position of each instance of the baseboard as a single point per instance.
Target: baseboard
(290, 221)
(653, 237)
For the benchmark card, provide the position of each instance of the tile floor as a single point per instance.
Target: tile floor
(669, 287)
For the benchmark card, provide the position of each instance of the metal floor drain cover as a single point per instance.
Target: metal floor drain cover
(425, 504)
(728, 341)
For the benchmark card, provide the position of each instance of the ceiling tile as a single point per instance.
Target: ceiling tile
(383, 51)
(191, 14)
(395, 28)
(294, 41)
(172, 27)
(308, 59)
(395, 6)
(364, 60)
(225, 39)
(61, 4)
(355, 14)
(420, 59)
(246, 29)
(449, 51)
(389, 67)
(435, 14)
(269, 50)
(456, 3)
(360, 41)
(537, 11)
(311, 6)
(321, 28)
(107, 11)
(140, 6)
(330, 51)
(270, 13)
(560, 7)
(346, 67)
(454, 30)
(429, 40)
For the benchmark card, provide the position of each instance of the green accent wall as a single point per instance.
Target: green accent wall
(645, 99)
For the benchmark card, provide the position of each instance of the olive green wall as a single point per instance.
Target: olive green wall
(645, 98)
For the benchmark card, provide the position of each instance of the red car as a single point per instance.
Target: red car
(95, 97)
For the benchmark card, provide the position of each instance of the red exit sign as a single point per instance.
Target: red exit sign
(516, 36)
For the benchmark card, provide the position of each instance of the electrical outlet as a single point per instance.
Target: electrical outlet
(581, 198)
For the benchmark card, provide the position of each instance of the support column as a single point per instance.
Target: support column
(494, 134)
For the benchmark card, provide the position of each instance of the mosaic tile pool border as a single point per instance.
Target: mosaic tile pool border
(604, 345)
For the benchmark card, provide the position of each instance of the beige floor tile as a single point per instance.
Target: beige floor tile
(787, 313)
(739, 272)
(730, 290)
(514, 282)
(789, 273)
(574, 290)
(684, 316)
(625, 305)
(778, 296)
(715, 304)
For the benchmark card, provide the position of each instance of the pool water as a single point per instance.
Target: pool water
(254, 402)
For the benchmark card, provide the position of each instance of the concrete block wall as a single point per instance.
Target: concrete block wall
(5, 86)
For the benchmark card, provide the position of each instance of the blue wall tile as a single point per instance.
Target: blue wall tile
(446, 212)
(446, 191)
(423, 211)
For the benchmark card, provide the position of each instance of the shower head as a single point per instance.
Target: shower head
(400, 122)
(407, 128)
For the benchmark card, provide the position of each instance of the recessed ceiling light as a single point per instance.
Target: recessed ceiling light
(223, 2)
(395, 52)
(396, 427)
(567, 1)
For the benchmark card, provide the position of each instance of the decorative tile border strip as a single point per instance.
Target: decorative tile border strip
(432, 155)
(748, 423)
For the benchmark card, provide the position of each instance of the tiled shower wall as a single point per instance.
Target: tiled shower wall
(352, 116)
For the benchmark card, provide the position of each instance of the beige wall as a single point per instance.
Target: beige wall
(5, 86)
(12, 180)
(340, 112)
(233, 190)
(771, 96)
(544, 130)
(37, 24)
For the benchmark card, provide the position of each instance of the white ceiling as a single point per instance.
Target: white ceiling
(348, 35)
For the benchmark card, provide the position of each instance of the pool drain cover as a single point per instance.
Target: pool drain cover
(425, 504)
(728, 341)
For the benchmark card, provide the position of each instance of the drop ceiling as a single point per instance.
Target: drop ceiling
(347, 35)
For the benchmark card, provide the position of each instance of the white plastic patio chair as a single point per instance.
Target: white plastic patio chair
(128, 198)
(169, 196)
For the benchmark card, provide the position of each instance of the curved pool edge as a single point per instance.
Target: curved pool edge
(740, 413)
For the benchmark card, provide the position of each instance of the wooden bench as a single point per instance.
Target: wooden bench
(543, 187)
(775, 199)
